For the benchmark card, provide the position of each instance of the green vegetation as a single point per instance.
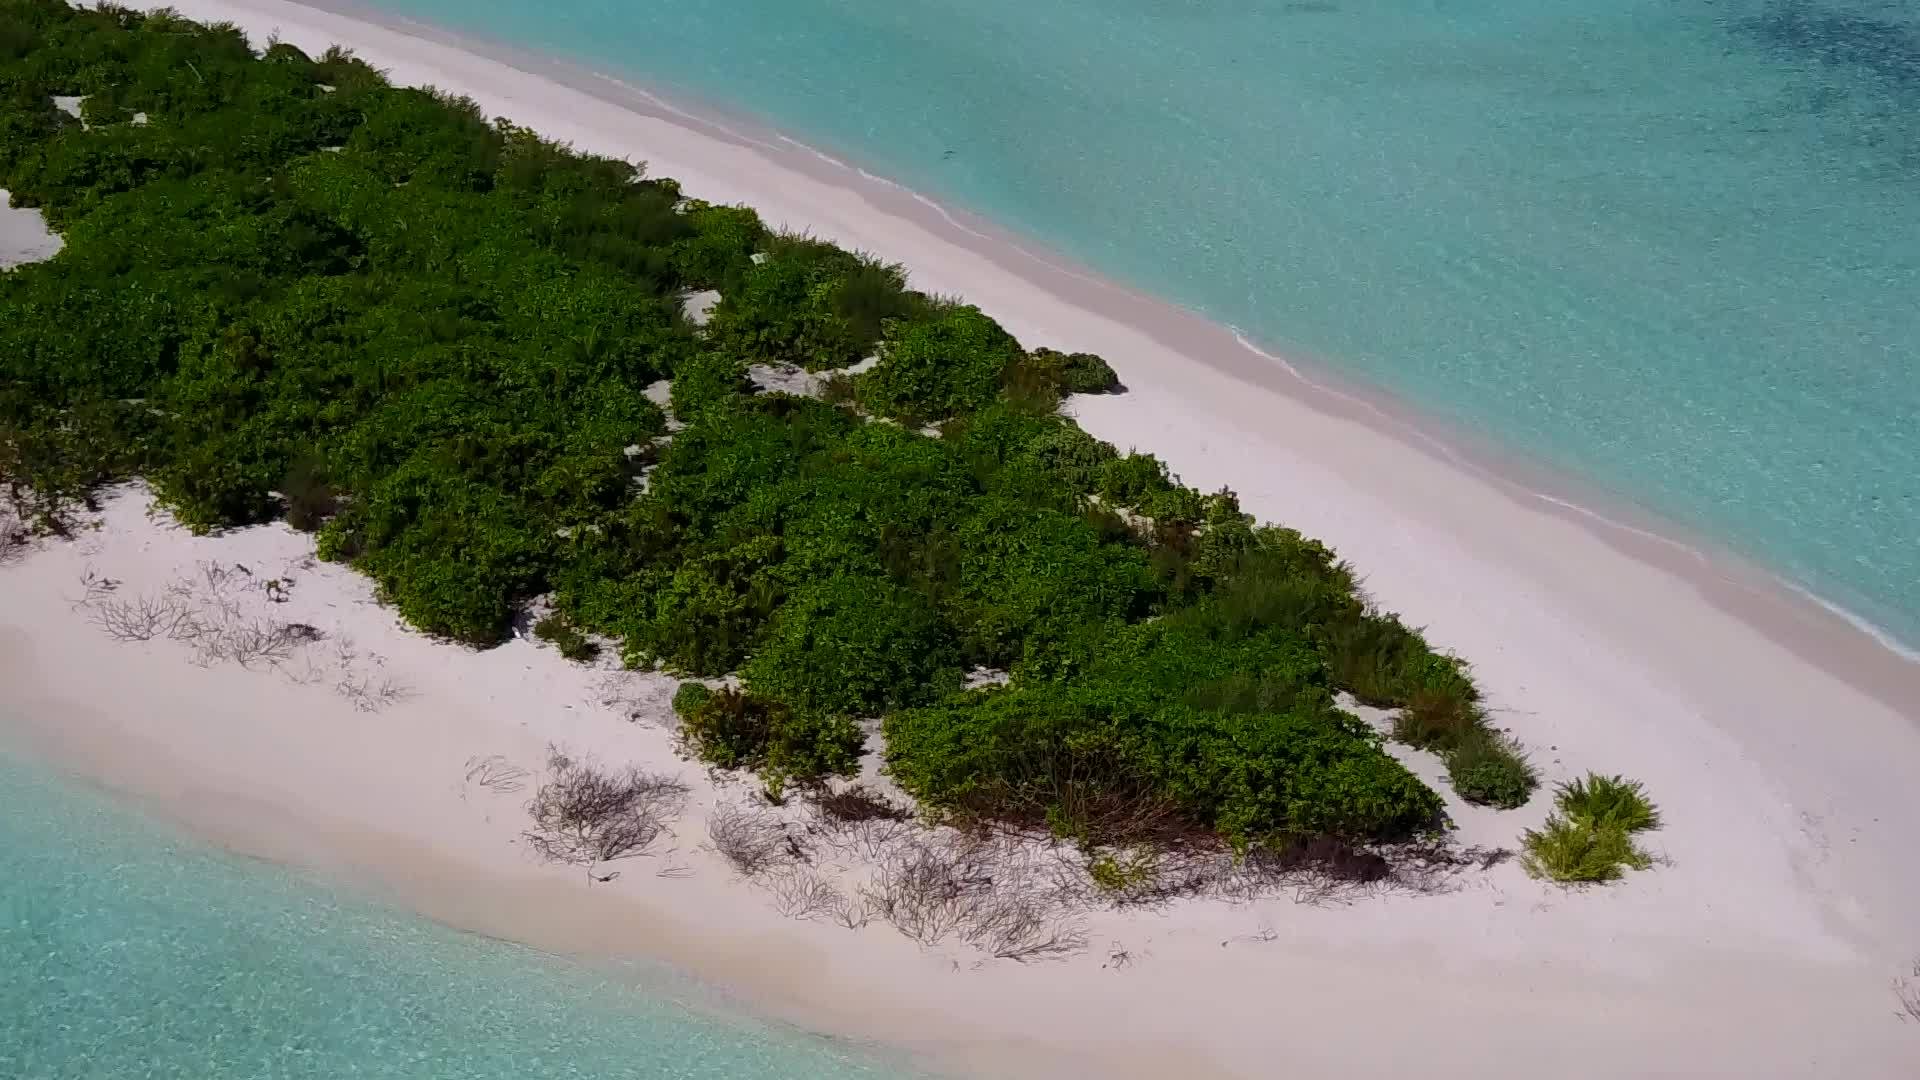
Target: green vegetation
(1590, 839)
(1440, 711)
(688, 698)
(1486, 768)
(555, 630)
(807, 303)
(1124, 873)
(1075, 373)
(300, 293)
(1607, 802)
(1575, 854)
(731, 730)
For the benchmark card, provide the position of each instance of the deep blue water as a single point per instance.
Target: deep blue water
(127, 951)
(1670, 245)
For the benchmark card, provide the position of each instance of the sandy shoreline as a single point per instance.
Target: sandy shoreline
(288, 762)
(1771, 733)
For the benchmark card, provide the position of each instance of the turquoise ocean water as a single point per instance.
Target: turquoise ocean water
(127, 951)
(1670, 245)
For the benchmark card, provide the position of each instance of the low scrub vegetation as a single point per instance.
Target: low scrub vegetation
(300, 292)
(1441, 712)
(1487, 768)
(1001, 898)
(1607, 802)
(1589, 837)
(555, 630)
(584, 813)
(688, 698)
(731, 730)
(750, 840)
(858, 803)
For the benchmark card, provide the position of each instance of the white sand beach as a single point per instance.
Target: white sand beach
(24, 236)
(1781, 742)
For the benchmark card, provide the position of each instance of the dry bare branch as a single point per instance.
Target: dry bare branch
(997, 894)
(15, 537)
(858, 803)
(1314, 872)
(922, 891)
(368, 694)
(870, 840)
(495, 773)
(1907, 992)
(229, 637)
(143, 618)
(801, 892)
(95, 587)
(860, 822)
(639, 697)
(584, 814)
(852, 913)
(752, 840)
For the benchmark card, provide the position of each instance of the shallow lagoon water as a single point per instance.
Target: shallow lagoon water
(1672, 247)
(131, 951)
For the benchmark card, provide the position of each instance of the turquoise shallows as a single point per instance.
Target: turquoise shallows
(129, 952)
(1670, 245)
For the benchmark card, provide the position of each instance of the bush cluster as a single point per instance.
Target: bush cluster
(731, 730)
(688, 697)
(428, 337)
(1157, 727)
(555, 630)
(807, 303)
(1074, 373)
(1439, 710)
(1589, 839)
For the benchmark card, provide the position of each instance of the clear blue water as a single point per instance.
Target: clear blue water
(129, 952)
(1671, 245)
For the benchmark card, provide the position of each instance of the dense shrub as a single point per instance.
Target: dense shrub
(309, 498)
(688, 698)
(428, 336)
(1384, 664)
(1607, 802)
(1159, 725)
(720, 249)
(1074, 373)
(1571, 853)
(1436, 720)
(1371, 658)
(853, 645)
(935, 368)
(557, 631)
(705, 381)
(1589, 839)
(1486, 768)
(808, 303)
(731, 730)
